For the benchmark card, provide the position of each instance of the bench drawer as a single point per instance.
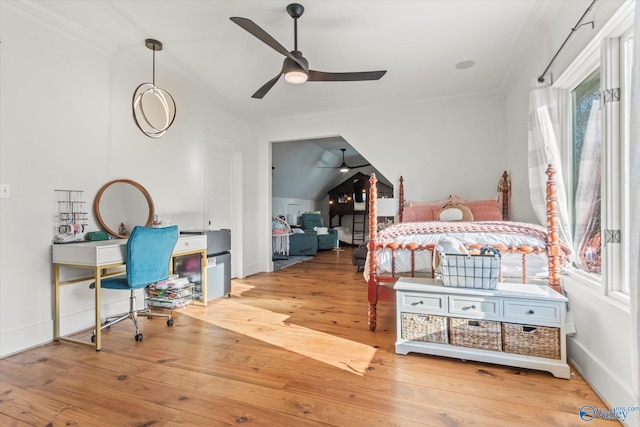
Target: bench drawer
(523, 311)
(424, 303)
(476, 307)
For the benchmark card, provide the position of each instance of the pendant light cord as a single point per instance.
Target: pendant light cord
(154, 66)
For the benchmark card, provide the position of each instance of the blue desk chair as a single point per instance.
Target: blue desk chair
(148, 257)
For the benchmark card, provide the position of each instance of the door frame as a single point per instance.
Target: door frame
(216, 142)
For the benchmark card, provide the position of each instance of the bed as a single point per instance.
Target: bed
(529, 252)
(347, 236)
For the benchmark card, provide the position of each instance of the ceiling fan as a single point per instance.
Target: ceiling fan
(344, 167)
(295, 66)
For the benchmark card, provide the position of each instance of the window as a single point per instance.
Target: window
(585, 173)
(595, 150)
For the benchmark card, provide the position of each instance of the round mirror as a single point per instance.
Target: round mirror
(122, 204)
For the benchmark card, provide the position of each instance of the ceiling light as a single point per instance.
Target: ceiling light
(296, 77)
(465, 64)
(154, 109)
(344, 168)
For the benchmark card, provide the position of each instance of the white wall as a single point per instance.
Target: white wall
(422, 142)
(66, 124)
(292, 208)
(601, 348)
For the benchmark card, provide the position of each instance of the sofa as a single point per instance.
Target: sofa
(312, 224)
(303, 244)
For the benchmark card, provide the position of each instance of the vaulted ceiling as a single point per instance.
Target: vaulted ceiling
(315, 164)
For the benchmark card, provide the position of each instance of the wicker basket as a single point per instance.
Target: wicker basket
(424, 327)
(483, 334)
(531, 340)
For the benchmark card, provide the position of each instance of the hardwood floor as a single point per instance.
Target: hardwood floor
(290, 348)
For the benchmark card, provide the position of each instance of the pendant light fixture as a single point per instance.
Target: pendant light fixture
(154, 109)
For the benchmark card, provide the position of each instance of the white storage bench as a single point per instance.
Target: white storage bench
(516, 324)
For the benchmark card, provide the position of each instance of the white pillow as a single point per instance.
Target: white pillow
(451, 214)
(297, 231)
(321, 230)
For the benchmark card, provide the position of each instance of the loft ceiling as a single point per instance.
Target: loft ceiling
(306, 169)
(418, 42)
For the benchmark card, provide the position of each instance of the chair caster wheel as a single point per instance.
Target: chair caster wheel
(170, 322)
(139, 337)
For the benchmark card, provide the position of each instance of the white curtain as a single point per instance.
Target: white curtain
(634, 232)
(544, 149)
(587, 188)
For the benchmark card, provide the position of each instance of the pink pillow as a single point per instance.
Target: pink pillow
(485, 210)
(435, 203)
(419, 213)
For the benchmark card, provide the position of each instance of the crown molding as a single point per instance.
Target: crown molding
(34, 12)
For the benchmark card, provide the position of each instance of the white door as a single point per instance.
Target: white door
(222, 199)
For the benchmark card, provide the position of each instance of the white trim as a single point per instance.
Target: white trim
(625, 141)
(610, 186)
(619, 23)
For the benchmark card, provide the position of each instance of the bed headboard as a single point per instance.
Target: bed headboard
(504, 195)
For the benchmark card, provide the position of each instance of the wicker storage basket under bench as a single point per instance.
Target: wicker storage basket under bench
(484, 334)
(531, 340)
(514, 324)
(424, 327)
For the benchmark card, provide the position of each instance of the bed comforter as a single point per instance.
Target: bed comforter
(489, 233)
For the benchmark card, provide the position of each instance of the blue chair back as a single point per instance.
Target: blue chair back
(149, 254)
(310, 220)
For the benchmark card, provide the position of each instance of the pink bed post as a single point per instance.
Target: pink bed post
(372, 284)
(553, 238)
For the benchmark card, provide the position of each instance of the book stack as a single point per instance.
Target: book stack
(171, 293)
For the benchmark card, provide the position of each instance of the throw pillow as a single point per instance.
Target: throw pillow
(321, 230)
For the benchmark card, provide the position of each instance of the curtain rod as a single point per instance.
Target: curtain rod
(573, 30)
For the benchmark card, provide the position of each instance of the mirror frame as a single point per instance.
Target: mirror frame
(96, 205)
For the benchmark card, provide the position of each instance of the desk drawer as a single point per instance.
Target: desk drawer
(190, 243)
(536, 312)
(424, 303)
(476, 307)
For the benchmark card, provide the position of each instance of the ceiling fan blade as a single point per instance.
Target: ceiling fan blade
(322, 76)
(266, 87)
(253, 28)
(360, 166)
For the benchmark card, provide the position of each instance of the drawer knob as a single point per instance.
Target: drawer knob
(416, 303)
(470, 307)
(531, 312)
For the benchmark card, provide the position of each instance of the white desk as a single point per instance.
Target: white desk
(100, 256)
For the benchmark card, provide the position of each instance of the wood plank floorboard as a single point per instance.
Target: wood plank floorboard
(288, 348)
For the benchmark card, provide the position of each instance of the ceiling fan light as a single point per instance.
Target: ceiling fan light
(296, 77)
(344, 168)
